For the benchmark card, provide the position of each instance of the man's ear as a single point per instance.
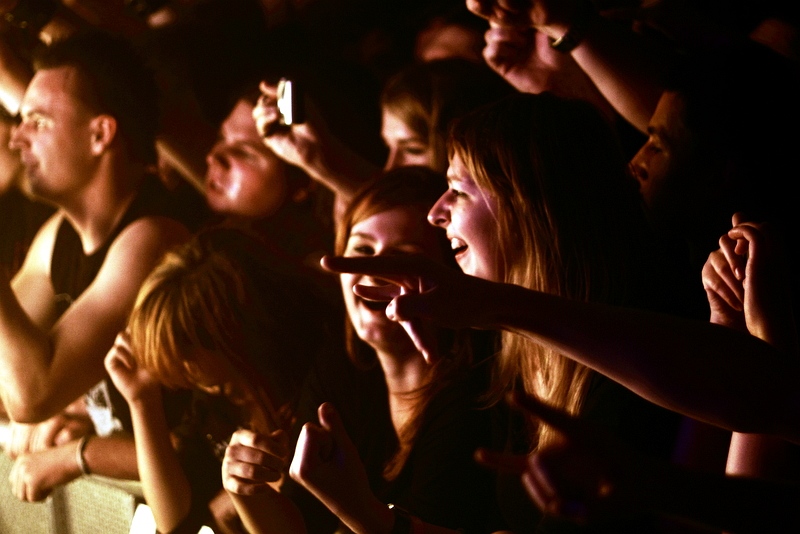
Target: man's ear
(103, 129)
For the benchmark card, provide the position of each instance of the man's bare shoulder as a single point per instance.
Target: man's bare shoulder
(146, 239)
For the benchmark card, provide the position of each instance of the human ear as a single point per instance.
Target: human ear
(103, 129)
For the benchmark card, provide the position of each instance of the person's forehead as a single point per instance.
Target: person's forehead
(239, 123)
(60, 84)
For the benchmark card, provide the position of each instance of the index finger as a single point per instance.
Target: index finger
(396, 269)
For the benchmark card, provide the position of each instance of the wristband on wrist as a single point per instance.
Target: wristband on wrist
(584, 17)
(79, 459)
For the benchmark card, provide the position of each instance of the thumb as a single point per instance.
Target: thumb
(330, 420)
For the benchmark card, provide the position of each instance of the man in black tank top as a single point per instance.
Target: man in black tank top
(87, 140)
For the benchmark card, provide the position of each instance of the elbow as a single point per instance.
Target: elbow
(23, 409)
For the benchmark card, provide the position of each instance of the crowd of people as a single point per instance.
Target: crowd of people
(519, 267)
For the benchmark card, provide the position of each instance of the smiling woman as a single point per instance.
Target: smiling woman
(424, 416)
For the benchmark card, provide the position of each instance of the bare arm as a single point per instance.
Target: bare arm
(646, 352)
(44, 367)
(627, 69)
(164, 484)
(36, 474)
(252, 471)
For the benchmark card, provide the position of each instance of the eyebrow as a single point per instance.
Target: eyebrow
(370, 237)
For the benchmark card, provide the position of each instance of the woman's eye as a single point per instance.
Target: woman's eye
(364, 250)
(415, 150)
(457, 193)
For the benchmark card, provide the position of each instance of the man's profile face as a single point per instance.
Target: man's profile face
(54, 137)
(661, 165)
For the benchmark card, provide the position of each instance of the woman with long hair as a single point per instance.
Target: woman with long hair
(227, 320)
(408, 431)
(539, 198)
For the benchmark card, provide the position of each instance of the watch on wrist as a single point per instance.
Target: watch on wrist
(577, 30)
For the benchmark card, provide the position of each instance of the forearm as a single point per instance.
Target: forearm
(112, 456)
(269, 513)
(164, 483)
(701, 370)
(14, 77)
(627, 70)
(24, 361)
(341, 170)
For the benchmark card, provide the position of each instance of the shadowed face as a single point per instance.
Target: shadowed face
(398, 231)
(244, 178)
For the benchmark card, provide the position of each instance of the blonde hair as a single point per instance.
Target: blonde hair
(569, 222)
(217, 313)
(428, 96)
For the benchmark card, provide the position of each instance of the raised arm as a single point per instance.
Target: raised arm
(310, 146)
(699, 369)
(164, 484)
(45, 365)
(626, 68)
(252, 470)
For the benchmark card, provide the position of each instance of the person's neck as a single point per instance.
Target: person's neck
(99, 208)
(404, 375)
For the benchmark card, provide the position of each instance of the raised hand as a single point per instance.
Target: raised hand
(132, 381)
(253, 461)
(747, 279)
(327, 463)
(298, 144)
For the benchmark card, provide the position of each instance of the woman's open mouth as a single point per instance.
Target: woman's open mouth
(374, 305)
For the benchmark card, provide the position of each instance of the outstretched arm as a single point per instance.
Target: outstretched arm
(647, 352)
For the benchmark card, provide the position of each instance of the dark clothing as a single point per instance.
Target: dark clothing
(72, 271)
(439, 482)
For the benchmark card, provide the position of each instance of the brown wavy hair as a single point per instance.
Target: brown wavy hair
(221, 312)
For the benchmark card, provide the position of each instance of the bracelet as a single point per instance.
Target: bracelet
(79, 459)
(577, 30)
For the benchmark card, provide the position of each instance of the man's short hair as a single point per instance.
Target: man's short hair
(115, 81)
